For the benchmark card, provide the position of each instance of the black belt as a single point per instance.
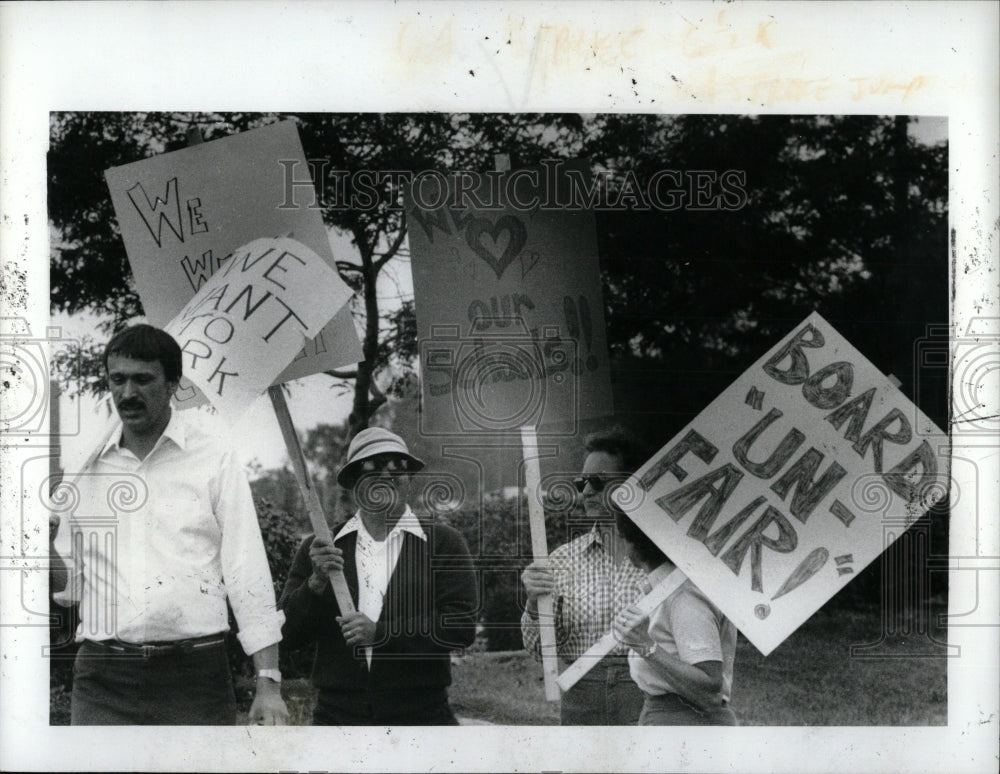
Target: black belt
(154, 649)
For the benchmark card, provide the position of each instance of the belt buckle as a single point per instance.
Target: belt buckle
(148, 651)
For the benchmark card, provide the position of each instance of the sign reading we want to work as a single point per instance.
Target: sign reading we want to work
(789, 483)
(183, 213)
(251, 318)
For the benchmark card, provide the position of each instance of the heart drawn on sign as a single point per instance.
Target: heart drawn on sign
(498, 244)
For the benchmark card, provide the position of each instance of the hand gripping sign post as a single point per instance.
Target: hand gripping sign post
(176, 251)
(510, 319)
(775, 496)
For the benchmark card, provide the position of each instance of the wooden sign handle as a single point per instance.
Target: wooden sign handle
(607, 643)
(539, 549)
(309, 495)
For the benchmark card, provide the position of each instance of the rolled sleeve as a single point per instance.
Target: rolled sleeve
(530, 635)
(696, 629)
(245, 569)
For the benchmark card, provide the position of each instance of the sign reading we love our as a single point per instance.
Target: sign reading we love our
(508, 298)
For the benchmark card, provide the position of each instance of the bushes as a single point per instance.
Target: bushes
(499, 539)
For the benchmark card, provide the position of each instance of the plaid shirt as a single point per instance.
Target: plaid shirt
(590, 590)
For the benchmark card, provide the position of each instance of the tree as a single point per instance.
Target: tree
(762, 219)
(90, 271)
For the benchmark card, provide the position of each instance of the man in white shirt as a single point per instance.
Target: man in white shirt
(163, 533)
(412, 580)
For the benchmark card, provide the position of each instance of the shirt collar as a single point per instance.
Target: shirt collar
(408, 522)
(174, 431)
(593, 538)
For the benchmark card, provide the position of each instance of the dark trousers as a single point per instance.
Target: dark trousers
(605, 696)
(409, 708)
(669, 709)
(186, 689)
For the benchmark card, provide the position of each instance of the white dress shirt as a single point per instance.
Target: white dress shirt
(376, 561)
(154, 547)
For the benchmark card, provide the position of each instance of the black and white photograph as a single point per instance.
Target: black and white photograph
(531, 374)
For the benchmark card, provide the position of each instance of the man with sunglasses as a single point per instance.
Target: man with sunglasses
(412, 582)
(591, 579)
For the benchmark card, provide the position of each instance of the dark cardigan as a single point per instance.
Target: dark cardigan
(429, 610)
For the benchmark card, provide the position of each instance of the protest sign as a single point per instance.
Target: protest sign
(508, 299)
(251, 318)
(790, 482)
(182, 213)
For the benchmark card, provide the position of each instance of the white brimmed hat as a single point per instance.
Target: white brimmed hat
(370, 442)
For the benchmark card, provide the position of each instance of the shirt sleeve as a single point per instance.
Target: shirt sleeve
(302, 608)
(695, 624)
(244, 561)
(530, 634)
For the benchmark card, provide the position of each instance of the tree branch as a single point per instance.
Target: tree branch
(378, 398)
(397, 243)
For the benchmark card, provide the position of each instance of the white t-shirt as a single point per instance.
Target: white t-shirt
(688, 626)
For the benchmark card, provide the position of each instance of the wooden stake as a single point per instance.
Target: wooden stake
(536, 520)
(309, 495)
(607, 643)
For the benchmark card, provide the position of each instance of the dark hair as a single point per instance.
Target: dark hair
(144, 342)
(617, 441)
(647, 551)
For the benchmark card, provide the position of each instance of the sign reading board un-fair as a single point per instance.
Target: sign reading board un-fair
(790, 482)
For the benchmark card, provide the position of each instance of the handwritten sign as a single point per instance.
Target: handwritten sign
(508, 295)
(181, 214)
(250, 319)
(790, 482)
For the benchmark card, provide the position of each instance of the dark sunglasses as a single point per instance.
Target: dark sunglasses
(597, 481)
(392, 465)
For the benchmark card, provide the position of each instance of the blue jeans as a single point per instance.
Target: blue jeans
(186, 689)
(669, 709)
(605, 696)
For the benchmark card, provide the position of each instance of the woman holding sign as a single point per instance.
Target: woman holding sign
(681, 655)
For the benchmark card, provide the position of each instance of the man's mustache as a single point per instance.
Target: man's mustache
(127, 405)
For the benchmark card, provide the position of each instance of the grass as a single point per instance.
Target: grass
(809, 680)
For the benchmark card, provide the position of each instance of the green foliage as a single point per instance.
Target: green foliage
(499, 540)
